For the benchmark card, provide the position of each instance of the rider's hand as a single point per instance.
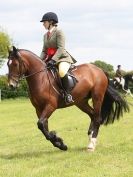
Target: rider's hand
(51, 63)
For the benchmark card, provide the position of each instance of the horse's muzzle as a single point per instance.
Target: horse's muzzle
(13, 85)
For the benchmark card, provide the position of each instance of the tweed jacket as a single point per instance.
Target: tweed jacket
(118, 73)
(56, 40)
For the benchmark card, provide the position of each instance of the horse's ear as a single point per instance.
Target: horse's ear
(14, 49)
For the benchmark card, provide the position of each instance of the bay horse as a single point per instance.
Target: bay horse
(46, 98)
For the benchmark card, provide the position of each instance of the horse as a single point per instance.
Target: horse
(45, 95)
(124, 84)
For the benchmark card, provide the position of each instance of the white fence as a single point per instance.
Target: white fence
(0, 95)
(4, 68)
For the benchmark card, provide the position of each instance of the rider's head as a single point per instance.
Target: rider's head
(49, 19)
(119, 66)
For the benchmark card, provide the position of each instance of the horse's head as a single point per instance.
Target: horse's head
(22, 64)
(14, 66)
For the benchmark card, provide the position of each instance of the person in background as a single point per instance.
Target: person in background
(54, 52)
(118, 75)
(118, 79)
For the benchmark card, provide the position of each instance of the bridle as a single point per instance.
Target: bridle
(21, 76)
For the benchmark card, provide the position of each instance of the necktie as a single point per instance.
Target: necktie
(48, 34)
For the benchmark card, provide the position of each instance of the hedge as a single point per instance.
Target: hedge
(22, 91)
(7, 92)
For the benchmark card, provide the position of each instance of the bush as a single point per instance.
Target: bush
(6, 92)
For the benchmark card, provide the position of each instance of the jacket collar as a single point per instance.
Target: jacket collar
(52, 31)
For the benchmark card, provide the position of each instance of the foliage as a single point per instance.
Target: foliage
(1, 62)
(129, 72)
(105, 67)
(24, 152)
(131, 86)
(5, 43)
(6, 92)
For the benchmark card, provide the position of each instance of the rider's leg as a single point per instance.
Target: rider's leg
(63, 69)
(117, 79)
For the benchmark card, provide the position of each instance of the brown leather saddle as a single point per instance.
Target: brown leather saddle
(72, 79)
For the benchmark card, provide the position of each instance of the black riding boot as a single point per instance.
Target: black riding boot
(67, 86)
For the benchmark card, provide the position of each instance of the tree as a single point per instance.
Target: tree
(5, 43)
(108, 68)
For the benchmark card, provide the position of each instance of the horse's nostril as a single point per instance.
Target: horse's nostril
(12, 86)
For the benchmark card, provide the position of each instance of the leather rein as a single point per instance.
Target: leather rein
(21, 76)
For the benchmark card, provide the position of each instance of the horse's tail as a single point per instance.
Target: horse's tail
(113, 106)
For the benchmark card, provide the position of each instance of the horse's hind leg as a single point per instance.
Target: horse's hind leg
(129, 92)
(97, 103)
(85, 107)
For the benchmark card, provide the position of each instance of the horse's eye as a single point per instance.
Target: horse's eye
(15, 64)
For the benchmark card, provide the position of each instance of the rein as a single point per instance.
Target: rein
(42, 70)
(52, 84)
(26, 76)
(21, 76)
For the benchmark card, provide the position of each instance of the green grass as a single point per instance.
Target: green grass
(24, 152)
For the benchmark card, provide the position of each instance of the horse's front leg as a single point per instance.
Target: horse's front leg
(43, 126)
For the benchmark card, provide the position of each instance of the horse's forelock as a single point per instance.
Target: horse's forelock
(13, 54)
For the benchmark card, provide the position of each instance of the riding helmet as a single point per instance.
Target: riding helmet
(49, 16)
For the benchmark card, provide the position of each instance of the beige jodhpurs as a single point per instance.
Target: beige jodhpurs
(63, 68)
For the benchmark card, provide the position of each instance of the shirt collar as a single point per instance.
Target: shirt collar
(52, 29)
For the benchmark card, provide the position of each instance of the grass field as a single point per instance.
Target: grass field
(24, 152)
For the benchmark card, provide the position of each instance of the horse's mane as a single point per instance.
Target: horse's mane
(36, 56)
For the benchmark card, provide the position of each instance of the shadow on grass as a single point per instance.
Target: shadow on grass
(25, 155)
(39, 154)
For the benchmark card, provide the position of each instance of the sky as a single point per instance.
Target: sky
(94, 29)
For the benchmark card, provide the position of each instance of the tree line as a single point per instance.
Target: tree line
(5, 43)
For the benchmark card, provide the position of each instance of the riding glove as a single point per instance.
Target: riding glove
(51, 63)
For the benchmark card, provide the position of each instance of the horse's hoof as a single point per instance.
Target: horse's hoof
(64, 148)
(60, 145)
(90, 149)
(92, 145)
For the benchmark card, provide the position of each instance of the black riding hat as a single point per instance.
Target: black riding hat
(49, 16)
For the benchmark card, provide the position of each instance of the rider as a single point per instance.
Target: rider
(54, 52)
(118, 75)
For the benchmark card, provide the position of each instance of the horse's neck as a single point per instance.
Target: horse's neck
(35, 71)
(34, 66)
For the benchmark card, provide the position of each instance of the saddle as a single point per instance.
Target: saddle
(72, 79)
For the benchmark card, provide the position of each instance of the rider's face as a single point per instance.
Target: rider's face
(46, 24)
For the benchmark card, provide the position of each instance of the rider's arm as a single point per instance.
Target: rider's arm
(60, 53)
(43, 53)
